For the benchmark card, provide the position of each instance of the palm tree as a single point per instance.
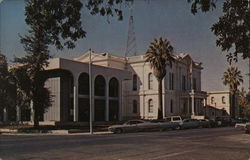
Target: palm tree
(159, 54)
(232, 78)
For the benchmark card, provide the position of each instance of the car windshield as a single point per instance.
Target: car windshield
(176, 118)
(134, 122)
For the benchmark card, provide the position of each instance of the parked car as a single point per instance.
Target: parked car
(223, 121)
(213, 123)
(247, 128)
(205, 123)
(190, 123)
(177, 119)
(237, 120)
(243, 126)
(134, 126)
(169, 125)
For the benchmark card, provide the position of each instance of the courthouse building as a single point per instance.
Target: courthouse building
(122, 88)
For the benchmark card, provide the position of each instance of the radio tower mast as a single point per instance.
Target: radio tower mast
(131, 41)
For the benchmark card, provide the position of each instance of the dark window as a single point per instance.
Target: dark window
(99, 86)
(171, 106)
(171, 81)
(150, 81)
(83, 82)
(212, 100)
(176, 119)
(134, 122)
(134, 106)
(223, 100)
(134, 82)
(150, 106)
(113, 87)
(194, 84)
(183, 83)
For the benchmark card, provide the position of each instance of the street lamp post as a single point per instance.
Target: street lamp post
(90, 93)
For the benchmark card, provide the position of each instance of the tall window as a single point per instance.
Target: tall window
(223, 100)
(134, 106)
(171, 81)
(150, 81)
(134, 82)
(194, 84)
(150, 106)
(183, 83)
(212, 100)
(171, 106)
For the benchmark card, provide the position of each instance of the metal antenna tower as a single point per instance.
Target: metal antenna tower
(131, 41)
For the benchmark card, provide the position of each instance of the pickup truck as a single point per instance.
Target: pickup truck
(243, 126)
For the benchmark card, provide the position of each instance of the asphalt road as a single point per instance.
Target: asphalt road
(195, 144)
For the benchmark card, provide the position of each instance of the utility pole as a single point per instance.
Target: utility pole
(90, 93)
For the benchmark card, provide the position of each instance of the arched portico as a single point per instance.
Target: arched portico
(83, 97)
(113, 99)
(99, 98)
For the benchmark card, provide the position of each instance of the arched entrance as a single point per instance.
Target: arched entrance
(99, 92)
(83, 97)
(113, 99)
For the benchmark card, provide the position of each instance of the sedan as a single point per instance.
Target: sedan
(205, 123)
(190, 123)
(134, 126)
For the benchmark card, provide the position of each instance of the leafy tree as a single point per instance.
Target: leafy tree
(233, 29)
(3, 81)
(159, 54)
(57, 17)
(232, 78)
(7, 90)
(51, 22)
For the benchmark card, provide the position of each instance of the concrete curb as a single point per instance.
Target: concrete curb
(49, 132)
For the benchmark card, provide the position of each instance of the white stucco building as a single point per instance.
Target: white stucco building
(219, 103)
(122, 88)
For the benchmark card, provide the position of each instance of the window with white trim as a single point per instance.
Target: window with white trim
(150, 81)
(150, 106)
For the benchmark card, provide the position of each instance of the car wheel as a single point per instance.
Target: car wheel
(178, 127)
(118, 131)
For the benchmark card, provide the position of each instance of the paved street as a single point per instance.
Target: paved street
(195, 144)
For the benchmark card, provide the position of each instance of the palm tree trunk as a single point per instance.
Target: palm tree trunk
(160, 116)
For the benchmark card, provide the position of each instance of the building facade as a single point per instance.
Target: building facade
(219, 104)
(121, 87)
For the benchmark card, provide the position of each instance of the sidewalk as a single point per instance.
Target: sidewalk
(51, 132)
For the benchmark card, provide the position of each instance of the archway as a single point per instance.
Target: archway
(99, 92)
(113, 99)
(83, 97)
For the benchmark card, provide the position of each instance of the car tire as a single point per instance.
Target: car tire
(178, 128)
(118, 131)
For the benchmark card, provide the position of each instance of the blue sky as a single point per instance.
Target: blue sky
(170, 19)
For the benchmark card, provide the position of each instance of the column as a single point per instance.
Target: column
(31, 111)
(18, 113)
(75, 98)
(107, 102)
(192, 97)
(188, 106)
(120, 101)
(5, 114)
